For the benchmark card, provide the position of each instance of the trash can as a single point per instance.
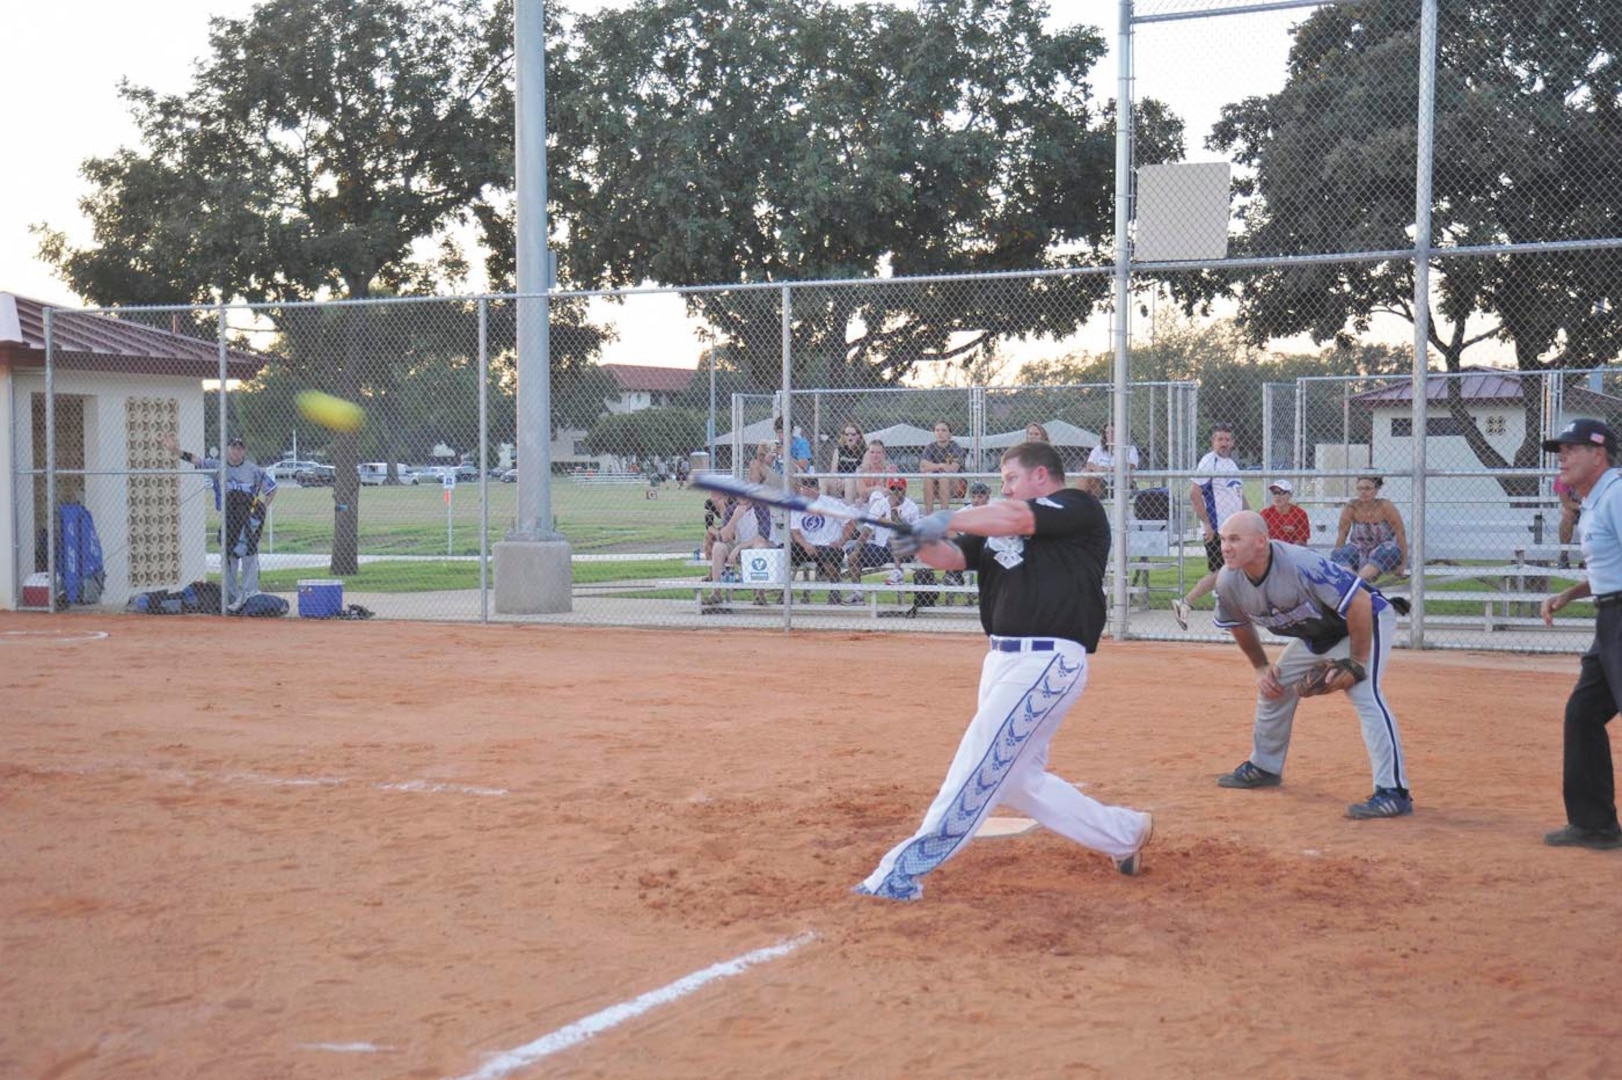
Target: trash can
(698, 462)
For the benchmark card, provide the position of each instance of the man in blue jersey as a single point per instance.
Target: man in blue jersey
(1331, 614)
(249, 491)
(1587, 450)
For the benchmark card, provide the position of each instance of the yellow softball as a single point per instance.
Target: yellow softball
(332, 413)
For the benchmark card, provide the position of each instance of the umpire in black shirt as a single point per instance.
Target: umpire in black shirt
(1040, 551)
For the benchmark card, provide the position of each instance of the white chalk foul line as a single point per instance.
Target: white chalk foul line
(50, 637)
(347, 1048)
(506, 1061)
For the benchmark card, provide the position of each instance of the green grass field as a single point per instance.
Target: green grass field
(411, 520)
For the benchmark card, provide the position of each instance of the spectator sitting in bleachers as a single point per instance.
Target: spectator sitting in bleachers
(748, 526)
(872, 548)
(1286, 522)
(717, 508)
(874, 471)
(1371, 540)
(979, 494)
(819, 536)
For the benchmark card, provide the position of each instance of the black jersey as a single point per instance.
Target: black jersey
(1050, 584)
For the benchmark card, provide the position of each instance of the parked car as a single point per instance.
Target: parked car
(315, 475)
(433, 474)
(510, 476)
(467, 474)
(373, 473)
(284, 471)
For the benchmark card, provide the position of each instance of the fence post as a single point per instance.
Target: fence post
(50, 459)
(786, 450)
(484, 458)
(1123, 306)
(222, 490)
(1425, 137)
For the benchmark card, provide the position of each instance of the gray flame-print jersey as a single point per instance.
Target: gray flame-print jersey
(1302, 595)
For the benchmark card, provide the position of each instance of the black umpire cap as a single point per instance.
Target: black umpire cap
(1583, 432)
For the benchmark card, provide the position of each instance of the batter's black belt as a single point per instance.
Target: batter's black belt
(1609, 598)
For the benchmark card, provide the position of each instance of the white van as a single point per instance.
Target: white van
(374, 473)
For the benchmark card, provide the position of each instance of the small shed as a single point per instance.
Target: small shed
(119, 385)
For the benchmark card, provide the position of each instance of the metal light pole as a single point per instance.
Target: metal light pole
(532, 563)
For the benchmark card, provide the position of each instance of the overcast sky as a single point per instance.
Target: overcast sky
(62, 69)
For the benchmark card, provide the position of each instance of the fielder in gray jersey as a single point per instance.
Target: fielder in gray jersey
(1331, 613)
(249, 491)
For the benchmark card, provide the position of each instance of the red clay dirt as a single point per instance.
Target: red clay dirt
(307, 850)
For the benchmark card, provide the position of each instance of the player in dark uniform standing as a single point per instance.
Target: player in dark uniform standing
(1040, 551)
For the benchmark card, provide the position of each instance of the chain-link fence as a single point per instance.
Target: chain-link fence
(1372, 176)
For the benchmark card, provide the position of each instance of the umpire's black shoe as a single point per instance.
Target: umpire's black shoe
(1248, 775)
(1577, 836)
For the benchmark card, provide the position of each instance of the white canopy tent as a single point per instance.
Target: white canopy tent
(903, 435)
(1060, 433)
(761, 431)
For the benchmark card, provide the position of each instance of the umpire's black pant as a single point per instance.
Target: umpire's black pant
(1590, 782)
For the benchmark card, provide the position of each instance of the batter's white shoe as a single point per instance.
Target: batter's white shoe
(1132, 865)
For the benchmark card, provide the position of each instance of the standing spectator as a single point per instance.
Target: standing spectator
(845, 458)
(943, 455)
(1216, 491)
(249, 491)
(818, 536)
(1371, 540)
(1330, 614)
(1286, 522)
(1040, 552)
(1101, 458)
(1571, 510)
(683, 469)
(1587, 450)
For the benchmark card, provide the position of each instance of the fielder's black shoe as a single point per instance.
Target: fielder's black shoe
(1247, 775)
(1399, 604)
(1577, 836)
(1385, 802)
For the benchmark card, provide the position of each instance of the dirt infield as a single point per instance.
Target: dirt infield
(287, 849)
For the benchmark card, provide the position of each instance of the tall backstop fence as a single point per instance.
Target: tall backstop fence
(125, 431)
(1378, 199)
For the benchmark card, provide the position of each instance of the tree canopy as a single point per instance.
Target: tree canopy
(1528, 148)
(753, 141)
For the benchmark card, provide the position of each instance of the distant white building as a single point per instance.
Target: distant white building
(640, 387)
(1496, 402)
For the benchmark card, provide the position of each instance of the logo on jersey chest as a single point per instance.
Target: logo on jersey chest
(1009, 551)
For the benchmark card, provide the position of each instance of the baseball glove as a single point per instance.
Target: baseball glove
(1330, 676)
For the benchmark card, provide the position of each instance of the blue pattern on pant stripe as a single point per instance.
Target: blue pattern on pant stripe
(925, 853)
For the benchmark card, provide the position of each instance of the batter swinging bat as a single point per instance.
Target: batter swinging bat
(772, 496)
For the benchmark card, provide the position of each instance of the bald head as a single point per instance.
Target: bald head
(1245, 522)
(1244, 543)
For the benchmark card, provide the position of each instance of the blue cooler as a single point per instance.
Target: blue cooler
(320, 599)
